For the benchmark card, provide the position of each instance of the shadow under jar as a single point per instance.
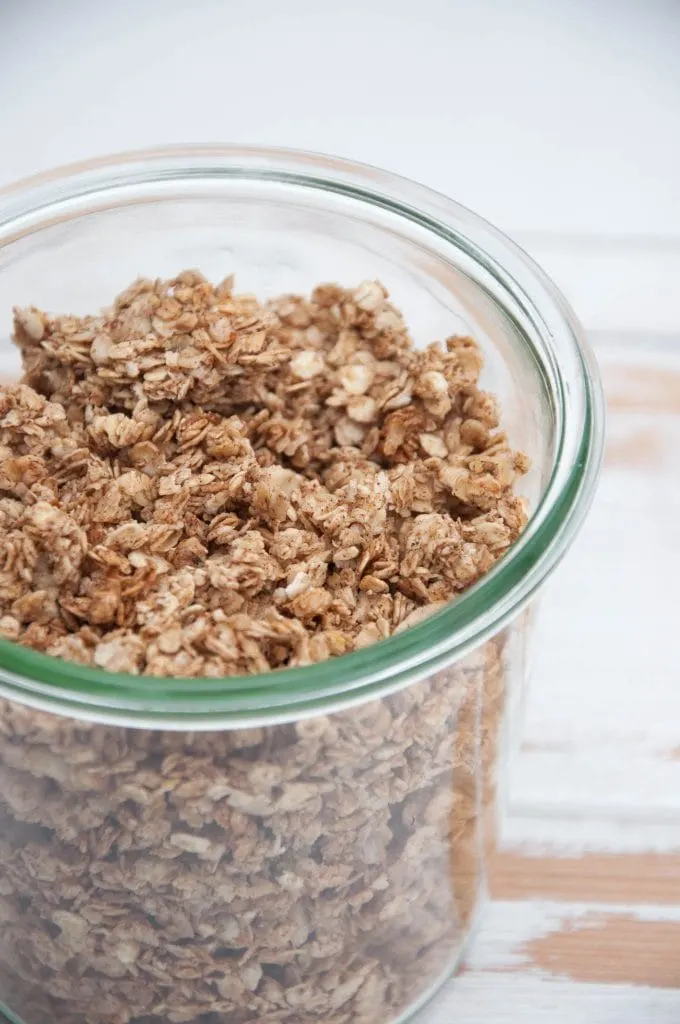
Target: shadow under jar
(307, 845)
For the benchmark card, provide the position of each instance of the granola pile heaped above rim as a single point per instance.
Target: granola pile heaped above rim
(197, 484)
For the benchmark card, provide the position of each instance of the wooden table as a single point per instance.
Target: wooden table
(584, 923)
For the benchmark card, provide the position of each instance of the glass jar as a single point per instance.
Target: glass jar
(307, 845)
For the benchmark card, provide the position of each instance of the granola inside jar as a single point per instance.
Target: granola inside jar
(262, 565)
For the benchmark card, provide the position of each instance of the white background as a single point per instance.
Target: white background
(542, 115)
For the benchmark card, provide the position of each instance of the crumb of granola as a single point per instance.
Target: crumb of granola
(266, 484)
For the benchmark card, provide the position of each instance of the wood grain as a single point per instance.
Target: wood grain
(608, 878)
(616, 948)
(555, 962)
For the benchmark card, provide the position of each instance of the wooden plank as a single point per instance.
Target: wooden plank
(603, 711)
(607, 878)
(554, 833)
(537, 961)
(480, 997)
(612, 948)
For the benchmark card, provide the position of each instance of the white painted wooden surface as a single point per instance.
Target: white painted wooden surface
(504, 985)
(585, 923)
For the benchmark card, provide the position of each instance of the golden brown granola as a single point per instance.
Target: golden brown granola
(194, 484)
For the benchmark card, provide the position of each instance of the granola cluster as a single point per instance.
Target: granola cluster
(195, 484)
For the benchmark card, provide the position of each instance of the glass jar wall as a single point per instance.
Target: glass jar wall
(307, 845)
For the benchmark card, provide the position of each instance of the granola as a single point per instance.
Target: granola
(196, 484)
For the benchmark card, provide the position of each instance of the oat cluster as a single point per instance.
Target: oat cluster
(196, 484)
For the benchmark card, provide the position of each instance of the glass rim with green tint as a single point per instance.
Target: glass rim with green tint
(555, 344)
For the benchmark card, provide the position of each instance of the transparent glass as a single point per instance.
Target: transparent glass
(307, 845)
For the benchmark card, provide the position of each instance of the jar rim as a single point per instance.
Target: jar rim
(50, 683)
